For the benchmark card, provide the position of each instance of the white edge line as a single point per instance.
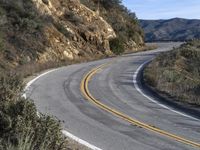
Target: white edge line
(33, 80)
(66, 133)
(151, 98)
(80, 140)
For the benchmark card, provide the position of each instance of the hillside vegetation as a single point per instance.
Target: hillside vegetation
(177, 73)
(176, 29)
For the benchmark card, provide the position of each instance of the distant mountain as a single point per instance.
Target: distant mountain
(176, 29)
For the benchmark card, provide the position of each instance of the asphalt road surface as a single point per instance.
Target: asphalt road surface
(58, 93)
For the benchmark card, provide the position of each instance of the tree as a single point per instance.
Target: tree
(110, 3)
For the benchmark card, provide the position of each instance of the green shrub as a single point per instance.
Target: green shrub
(117, 46)
(73, 18)
(188, 53)
(150, 78)
(10, 87)
(28, 24)
(20, 126)
(1, 42)
(170, 76)
(1, 45)
(63, 30)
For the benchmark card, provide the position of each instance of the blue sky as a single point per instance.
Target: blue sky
(164, 9)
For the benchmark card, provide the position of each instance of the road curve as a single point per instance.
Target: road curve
(58, 93)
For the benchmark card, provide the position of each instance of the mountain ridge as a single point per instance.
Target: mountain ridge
(174, 29)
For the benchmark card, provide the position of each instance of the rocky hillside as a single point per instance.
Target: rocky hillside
(44, 31)
(176, 29)
(123, 21)
(51, 30)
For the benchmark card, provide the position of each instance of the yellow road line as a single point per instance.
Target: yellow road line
(85, 91)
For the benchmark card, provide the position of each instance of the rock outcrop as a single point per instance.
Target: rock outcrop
(124, 22)
(87, 31)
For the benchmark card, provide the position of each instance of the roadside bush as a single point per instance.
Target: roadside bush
(149, 77)
(20, 126)
(10, 87)
(188, 53)
(117, 46)
(170, 76)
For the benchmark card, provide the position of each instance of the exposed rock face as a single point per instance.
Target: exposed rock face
(124, 22)
(84, 31)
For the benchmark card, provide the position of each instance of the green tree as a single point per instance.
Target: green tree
(108, 3)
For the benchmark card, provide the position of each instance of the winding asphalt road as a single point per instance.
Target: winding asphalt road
(58, 93)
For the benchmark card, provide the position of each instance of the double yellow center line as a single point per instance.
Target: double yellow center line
(85, 91)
